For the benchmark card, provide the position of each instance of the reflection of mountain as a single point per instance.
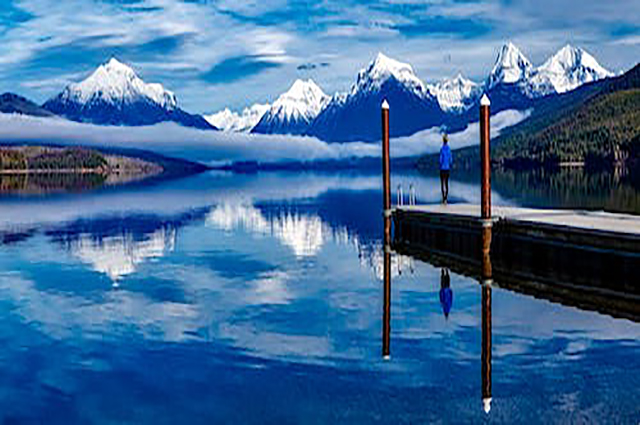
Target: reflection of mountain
(371, 256)
(304, 234)
(120, 255)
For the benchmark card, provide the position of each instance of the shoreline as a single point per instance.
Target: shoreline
(42, 168)
(54, 171)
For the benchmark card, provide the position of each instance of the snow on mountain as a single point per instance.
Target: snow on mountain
(293, 111)
(456, 94)
(231, 121)
(355, 116)
(115, 82)
(114, 95)
(381, 70)
(511, 67)
(514, 83)
(566, 70)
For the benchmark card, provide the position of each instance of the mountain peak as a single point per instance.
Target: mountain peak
(567, 69)
(116, 65)
(303, 89)
(115, 82)
(294, 110)
(304, 95)
(511, 66)
(570, 57)
(455, 94)
(228, 120)
(381, 69)
(114, 95)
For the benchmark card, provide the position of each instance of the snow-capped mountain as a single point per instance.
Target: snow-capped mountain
(513, 83)
(381, 70)
(456, 94)
(568, 69)
(228, 120)
(355, 116)
(511, 67)
(115, 95)
(293, 111)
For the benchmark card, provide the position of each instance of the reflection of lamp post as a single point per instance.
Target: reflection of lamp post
(486, 280)
(386, 188)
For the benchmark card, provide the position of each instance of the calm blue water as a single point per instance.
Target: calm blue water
(258, 299)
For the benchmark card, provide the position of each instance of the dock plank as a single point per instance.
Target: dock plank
(588, 220)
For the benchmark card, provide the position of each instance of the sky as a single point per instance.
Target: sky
(234, 53)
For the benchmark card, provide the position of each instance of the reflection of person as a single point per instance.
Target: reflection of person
(446, 294)
(446, 159)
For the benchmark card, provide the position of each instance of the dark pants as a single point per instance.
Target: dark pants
(444, 184)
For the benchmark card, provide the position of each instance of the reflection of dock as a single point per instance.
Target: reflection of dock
(588, 260)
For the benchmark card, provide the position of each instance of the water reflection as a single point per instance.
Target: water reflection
(43, 183)
(263, 293)
(485, 279)
(617, 190)
(446, 294)
(119, 256)
(304, 234)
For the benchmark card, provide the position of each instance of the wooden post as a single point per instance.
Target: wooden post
(485, 156)
(386, 205)
(386, 172)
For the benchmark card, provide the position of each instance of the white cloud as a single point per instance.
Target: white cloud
(220, 147)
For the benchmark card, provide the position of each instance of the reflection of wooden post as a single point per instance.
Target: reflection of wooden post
(485, 155)
(486, 348)
(487, 276)
(386, 315)
(386, 204)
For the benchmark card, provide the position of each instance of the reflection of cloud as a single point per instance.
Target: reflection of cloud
(63, 314)
(118, 256)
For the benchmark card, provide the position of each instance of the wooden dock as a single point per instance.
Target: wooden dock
(607, 231)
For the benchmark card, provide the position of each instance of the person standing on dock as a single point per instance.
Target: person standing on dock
(446, 159)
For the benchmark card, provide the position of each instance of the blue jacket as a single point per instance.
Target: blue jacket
(446, 158)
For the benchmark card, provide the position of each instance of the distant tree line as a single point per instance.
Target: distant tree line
(26, 158)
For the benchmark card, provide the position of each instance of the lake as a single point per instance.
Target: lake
(258, 298)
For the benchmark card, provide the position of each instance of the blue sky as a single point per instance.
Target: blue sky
(237, 52)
